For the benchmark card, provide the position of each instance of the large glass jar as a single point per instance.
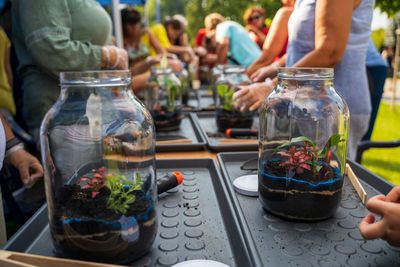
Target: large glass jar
(227, 115)
(304, 126)
(98, 147)
(163, 98)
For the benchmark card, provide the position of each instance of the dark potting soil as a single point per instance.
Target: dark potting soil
(168, 121)
(84, 228)
(232, 119)
(304, 196)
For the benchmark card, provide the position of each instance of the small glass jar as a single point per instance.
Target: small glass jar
(184, 79)
(98, 153)
(163, 98)
(227, 115)
(304, 126)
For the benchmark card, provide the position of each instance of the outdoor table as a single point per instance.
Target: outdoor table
(242, 233)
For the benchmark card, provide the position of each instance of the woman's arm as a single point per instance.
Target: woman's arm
(46, 26)
(28, 166)
(155, 43)
(7, 67)
(275, 40)
(332, 29)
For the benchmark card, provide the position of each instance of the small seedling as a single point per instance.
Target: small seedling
(121, 196)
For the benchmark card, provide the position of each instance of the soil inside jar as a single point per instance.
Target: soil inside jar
(233, 119)
(303, 195)
(85, 228)
(165, 122)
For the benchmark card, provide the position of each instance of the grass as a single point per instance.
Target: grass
(385, 162)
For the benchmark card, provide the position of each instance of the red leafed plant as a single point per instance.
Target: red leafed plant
(96, 182)
(305, 156)
(299, 158)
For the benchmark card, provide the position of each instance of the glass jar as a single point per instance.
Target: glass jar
(184, 79)
(163, 98)
(98, 153)
(304, 125)
(227, 83)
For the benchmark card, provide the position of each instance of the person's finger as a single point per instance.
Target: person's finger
(244, 99)
(371, 230)
(377, 205)
(256, 105)
(242, 91)
(24, 172)
(255, 74)
(36, 171)
(394, 195)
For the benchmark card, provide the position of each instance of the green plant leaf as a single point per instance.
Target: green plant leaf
(221, 89)
(333, 141)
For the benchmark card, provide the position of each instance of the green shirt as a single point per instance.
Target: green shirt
(54, 36)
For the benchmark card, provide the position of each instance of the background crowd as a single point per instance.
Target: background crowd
(50, 37)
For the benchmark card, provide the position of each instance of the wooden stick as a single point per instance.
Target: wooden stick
(175, 141)
(232, 141)
(356, 183)
(11, 258)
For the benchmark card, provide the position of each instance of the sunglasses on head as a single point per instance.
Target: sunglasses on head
(254, 18)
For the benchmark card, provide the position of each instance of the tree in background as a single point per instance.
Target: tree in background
(390, 7)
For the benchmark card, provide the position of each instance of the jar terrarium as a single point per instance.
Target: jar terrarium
(227, 115)
(98, 153)
(304, 126)
(184, 79)
(163, 98)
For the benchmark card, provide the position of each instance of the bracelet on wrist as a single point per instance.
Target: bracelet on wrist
(13, 149)
(12, 142)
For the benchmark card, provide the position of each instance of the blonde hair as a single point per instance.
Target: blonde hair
(212, 20)
(249, 11)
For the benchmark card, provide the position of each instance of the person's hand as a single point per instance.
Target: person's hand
(252, 28)
(388, 227)
(265, 72)
(152, 60)
(175, 64)
(114, 58)
(29, 167)
(200, 51)
(252, 96)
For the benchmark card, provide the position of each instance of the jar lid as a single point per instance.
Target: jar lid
(247, 185)
(200, 263)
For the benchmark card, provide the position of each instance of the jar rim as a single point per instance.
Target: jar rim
(95, 77)
(160, 70)
(305, 73)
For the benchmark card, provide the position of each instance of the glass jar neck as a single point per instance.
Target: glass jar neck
(158, 71)
(294, 78)
(86, 82)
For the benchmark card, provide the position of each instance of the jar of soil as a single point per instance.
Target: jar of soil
(227, 83)
(163, 98)
(304, 126)
(98, 153)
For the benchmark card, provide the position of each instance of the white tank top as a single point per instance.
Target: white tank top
(350, 76)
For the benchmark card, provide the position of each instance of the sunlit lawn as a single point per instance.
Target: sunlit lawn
(385, 162)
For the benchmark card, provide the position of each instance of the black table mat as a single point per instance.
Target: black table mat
(189, 129)
(208, 127)
(195, 221)
(333, 242)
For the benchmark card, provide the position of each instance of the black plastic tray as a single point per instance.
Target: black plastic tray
(195, 221)
(208, 124)
(190, 129)
(333, 242)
